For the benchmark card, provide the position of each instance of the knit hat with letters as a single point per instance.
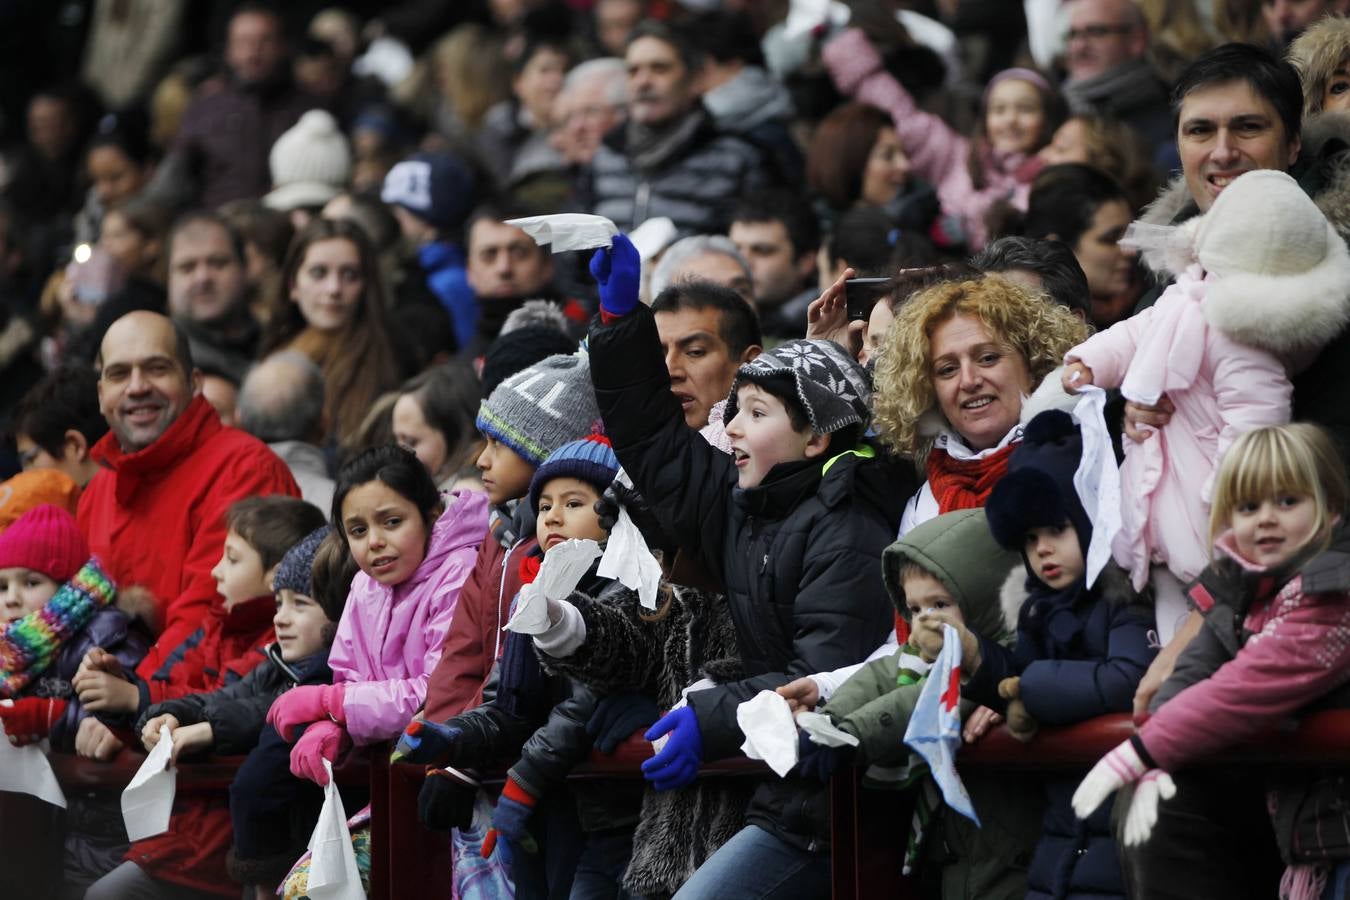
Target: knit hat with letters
(538, 409)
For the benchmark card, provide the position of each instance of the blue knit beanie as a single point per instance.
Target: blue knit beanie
(295, 568)
(590, 459)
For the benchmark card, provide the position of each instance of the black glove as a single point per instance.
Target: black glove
(615, 496)
(818, 761)
(617, 716)
(446, 801)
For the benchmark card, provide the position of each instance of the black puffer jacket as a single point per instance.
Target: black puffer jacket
(238, 711)
(800, 555)
(695, 178)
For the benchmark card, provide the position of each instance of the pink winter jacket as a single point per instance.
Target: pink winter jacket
(389, 639)
(938, 153)
(1299, 651)
(1220, 388)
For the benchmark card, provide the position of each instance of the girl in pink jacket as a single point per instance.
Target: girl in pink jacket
(415, 548)
(1277, 627)
(1018, 115)
(1263, 282)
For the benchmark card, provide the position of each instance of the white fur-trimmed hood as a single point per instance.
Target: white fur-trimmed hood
(1012, 596)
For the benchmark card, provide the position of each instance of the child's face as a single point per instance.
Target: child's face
(1014, 118)
(567, 510)
(412, 431)
(762, 436)
(924, 593)
(300, 624)
(239, 575)
(1055, 555)
(385, 532)
(22, 591)
(1270, 531)
(506, 475)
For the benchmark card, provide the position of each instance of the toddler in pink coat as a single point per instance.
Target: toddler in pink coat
(1263, 281)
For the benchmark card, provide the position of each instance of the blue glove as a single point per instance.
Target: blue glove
(677, 763)
(617, 716)
(427, 743)
(618, 271)
(818, 761)
(509, 823)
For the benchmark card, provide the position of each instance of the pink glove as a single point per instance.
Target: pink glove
(309, 703)
(321, 740)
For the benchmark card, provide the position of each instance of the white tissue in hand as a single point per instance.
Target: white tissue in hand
(770, 733)
(26, 770)
(558, 576)
(653, 236)
(628, 560)
(823, 732)
(148, 800)
(568, 231)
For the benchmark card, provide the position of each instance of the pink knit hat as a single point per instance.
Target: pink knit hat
(45, 539)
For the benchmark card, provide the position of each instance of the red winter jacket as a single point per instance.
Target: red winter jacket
(475, 639)
(156, 517)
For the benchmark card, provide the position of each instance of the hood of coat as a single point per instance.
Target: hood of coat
(1112, 586)
(462, 526)
(750, 99)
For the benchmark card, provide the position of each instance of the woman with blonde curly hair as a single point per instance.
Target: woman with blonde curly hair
(1322, 56)
(953, 379)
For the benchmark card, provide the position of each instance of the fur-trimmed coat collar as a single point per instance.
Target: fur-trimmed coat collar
(1112, 586)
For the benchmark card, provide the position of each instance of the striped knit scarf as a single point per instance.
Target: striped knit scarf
(30, 644)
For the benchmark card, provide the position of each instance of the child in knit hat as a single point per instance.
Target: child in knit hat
(232, 720)
(1082, 643)
(57, 604)
(431, 195)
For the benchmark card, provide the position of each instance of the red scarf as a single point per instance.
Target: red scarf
(965, 483)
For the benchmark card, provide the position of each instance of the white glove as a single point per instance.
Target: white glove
(1155, 787)
(558, 576)
(1116, 769)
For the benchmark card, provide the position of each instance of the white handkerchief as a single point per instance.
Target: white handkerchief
(628, 560)
(822, 731)
(333, 873)
(148, 800)
(1097, 479)
(25, 770)
(558, 576)
(803, 15)
(770, 733)
(653, 236)
(568, 231)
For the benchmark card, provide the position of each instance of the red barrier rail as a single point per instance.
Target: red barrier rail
(408, 860)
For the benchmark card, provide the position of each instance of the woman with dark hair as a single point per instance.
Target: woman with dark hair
(1088, 210)
(434, 418)
(336, 317)
(119, 162)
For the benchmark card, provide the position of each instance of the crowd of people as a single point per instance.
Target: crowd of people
(1018, 331)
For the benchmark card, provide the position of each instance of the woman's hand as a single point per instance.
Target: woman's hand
(150, 733)
(827, 318)
(1075, 377)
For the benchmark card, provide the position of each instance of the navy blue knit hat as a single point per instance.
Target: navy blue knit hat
(590, 459)
(436, 187)
(295, 568)
(1038, 490)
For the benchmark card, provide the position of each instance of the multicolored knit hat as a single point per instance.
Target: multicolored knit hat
(30, 644)
(538, 409)
(45, 539)
(590, 459)
(830, 385)
(29, 489)
(296, 568)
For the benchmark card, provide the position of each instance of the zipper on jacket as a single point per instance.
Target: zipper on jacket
(501, 592)
(641, 200)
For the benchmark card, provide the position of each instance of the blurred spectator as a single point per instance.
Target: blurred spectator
(267, 235)
(743, 98)
(705, 257)
(1178, 34)
(220, 152)
(1112, 147)
(513, 141)
(863, 240)
(614, 20)
(669, 159)
(131, 43)
(1109, 72)
(338, 318)
(778, 235)
(1321, 55)
(282, 404)
(58, 422)
(119, 161)
(464, 76)
(1042, 265)
(208, 296)
(592, 101)
(1287, 19)
(44, 180)
(310, 164)
(1240, 21)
